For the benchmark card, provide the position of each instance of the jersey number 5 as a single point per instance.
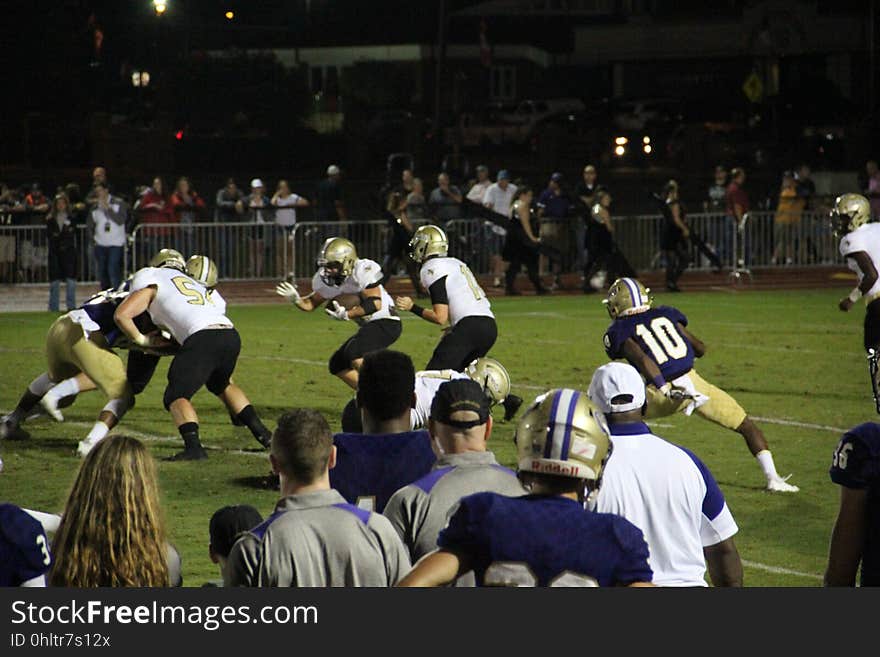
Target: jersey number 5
(184, 286)
(663, 339)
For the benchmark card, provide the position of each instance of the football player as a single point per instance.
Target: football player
(24, 548)
(488, 372)
(341, 272)
(860, 245)
(855, 467)
(209, 347)
(544, 538)
(457, 300)
(657, 343)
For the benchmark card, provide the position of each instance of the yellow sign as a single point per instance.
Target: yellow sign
(753, 88)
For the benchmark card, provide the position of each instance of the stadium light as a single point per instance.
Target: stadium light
(159, 6)
(647, 149)
(621, 141)
(619, 151)
(230, 15)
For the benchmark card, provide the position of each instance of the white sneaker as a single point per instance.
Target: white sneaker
(50, 403)
(84, 448)
(1, 465)
(781, 485)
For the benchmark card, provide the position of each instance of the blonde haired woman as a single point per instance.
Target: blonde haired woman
(112, 532)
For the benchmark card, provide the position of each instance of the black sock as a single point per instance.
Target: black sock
(248, 417)
(189, 431)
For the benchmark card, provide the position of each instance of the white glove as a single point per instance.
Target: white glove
(336, 311)
(674, 394)
(288, 291)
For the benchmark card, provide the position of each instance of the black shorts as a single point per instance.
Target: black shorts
(872, 325)
(139, 369)
(372, 336)
(471, 338)
(206, 358)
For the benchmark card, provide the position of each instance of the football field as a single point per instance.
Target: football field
(790, 358)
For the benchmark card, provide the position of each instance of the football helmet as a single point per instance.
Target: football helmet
(203, 269)
(169, 258)
(849, 212)
(627, 296)
(492, 376)
(336, 261)
(428, 241)
(563, 433)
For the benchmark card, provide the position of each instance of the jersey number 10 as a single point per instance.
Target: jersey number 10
(663, 339)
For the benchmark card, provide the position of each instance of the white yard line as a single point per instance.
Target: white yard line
(795, 423)
(779, 570)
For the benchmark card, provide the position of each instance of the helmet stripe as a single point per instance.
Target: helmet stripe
(566, 439)
(559, 418)
(633, 291)
(548, 445)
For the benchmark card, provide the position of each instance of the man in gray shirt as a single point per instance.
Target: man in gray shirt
(460, 425)
(314, 537)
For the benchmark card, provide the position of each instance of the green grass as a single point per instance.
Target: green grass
(783, 355)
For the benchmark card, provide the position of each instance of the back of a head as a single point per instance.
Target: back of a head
(301, 445)
(386, 385)
(112, 531)
(459, 414)
(227, 523)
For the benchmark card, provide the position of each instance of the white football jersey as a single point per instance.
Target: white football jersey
(466, 297)
(366, 273)
(428, 382)
(182, 305)
(864, 238)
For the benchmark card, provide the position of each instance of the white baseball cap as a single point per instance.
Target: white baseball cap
(333, 170)
(615, 380)
(256, 182)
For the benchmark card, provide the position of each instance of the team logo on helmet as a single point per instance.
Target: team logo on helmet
(336, 261)
(203, 269)
(428, 241)
(492, 376)
(169, 258)
(563, 433)
(627, 296)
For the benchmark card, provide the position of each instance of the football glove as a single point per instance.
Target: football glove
(674, 394)
(336, 311)
(288, 291)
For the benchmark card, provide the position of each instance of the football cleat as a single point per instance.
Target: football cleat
(428, 241)
(189, 454)
(781, 485)
(627, 296)
(50, 405)
(265, 439)
(85, 447)
(10, 430)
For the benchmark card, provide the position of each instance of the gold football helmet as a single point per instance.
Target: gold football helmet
(492, 376)
(428, 241)
(337, 259)
(203, 269)
(627, 296)
(849, 212)
(563, 433)
(169, 258)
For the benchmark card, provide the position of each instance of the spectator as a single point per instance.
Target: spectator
(36, 201)
(328, 199)
(806, 188)
(78, 207)
(477, 192)
(401, 230)
(498, 198)
(285, 203)
(314, 538)
(673, 239)
(786, 221)
(663, 489)
(258, 210)
(585, 197)
(460, 425)
(521, 243)
(111, 531)
(62, 252)
(416, 205)
(10, 206)
(154, 213)
(226, 526)
(605, 261)
(872, 189)
(445, 200)
(227, 210)
(716, 201)
(99, 177)
(107, 222)
(737, 209)
(186, 205)
(386, 455)
(554, 208)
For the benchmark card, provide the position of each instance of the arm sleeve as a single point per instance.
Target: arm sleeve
(613, 341)
(438, 292)
(242, 564)
(851, 466)
(633, 563)
(396, 556)
(716, 522)
(143, 278)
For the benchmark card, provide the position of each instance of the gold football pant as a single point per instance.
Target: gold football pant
(721, 408)
(70, 352)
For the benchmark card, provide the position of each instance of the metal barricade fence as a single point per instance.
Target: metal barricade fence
(24, 254)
